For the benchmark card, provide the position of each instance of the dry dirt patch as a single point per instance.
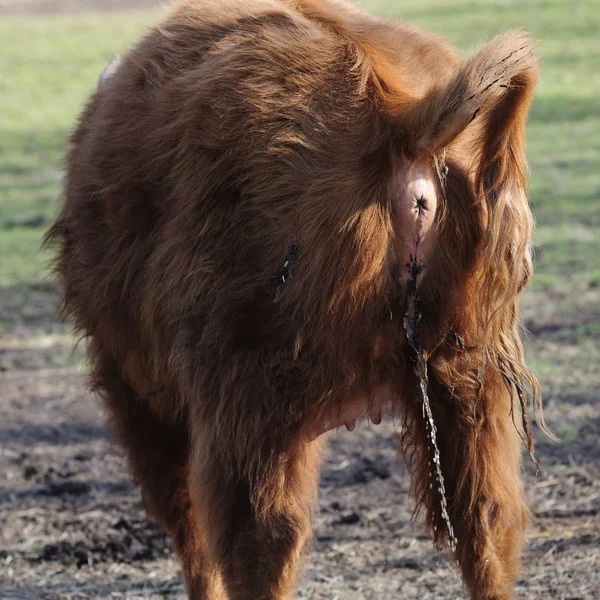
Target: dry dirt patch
(72, 525)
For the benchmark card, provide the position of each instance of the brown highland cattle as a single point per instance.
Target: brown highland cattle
(243, 142)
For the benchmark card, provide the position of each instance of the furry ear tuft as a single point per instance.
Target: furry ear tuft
(506, 63)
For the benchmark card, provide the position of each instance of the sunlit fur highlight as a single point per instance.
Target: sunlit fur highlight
(230, 131)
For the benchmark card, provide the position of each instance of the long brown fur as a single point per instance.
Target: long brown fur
(232, 131)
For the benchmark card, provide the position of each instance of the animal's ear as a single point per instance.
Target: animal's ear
(494, 88)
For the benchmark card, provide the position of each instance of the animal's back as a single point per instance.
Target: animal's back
(186, 170)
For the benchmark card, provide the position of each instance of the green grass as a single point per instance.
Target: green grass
(50, 64)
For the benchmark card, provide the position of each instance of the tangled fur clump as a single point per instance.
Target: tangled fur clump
(232, 131)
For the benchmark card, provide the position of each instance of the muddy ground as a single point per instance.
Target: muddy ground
(72, 525)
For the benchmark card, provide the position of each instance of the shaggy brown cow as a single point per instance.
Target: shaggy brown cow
(241, 143)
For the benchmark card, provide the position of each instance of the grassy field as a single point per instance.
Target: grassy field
(49, 64)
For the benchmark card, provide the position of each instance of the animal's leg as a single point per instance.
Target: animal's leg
(259, 532)
(158, 455)
(481, 462)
